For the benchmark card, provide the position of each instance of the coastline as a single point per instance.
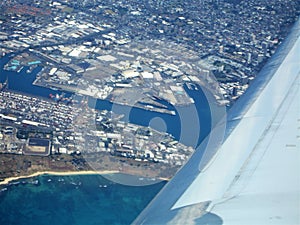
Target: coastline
(7, 180)
(66, 173)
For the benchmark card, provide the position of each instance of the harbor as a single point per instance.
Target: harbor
(53, 115)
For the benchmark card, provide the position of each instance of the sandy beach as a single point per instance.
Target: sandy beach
(9, 179)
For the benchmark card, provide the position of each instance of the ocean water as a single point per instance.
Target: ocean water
(76, 199)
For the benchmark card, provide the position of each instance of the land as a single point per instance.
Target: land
(138, 54)
(61, 165)
(88, 138)
(107, 49)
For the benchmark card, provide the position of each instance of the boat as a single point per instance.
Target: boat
(3, 189)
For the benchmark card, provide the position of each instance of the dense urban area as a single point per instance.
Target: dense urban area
(133, 53)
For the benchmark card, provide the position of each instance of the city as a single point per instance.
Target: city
(137, 54)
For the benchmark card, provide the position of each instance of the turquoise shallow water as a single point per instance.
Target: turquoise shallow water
(80, 199)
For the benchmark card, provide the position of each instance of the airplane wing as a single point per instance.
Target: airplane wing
(254, 175)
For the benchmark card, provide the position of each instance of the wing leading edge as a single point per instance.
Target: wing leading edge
(254, 176)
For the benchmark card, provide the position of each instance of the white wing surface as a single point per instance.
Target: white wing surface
(254, 177)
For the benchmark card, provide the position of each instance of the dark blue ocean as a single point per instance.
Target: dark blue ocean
(95, 200)
(80, 199)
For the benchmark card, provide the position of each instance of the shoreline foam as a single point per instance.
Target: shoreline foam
(66, 173)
